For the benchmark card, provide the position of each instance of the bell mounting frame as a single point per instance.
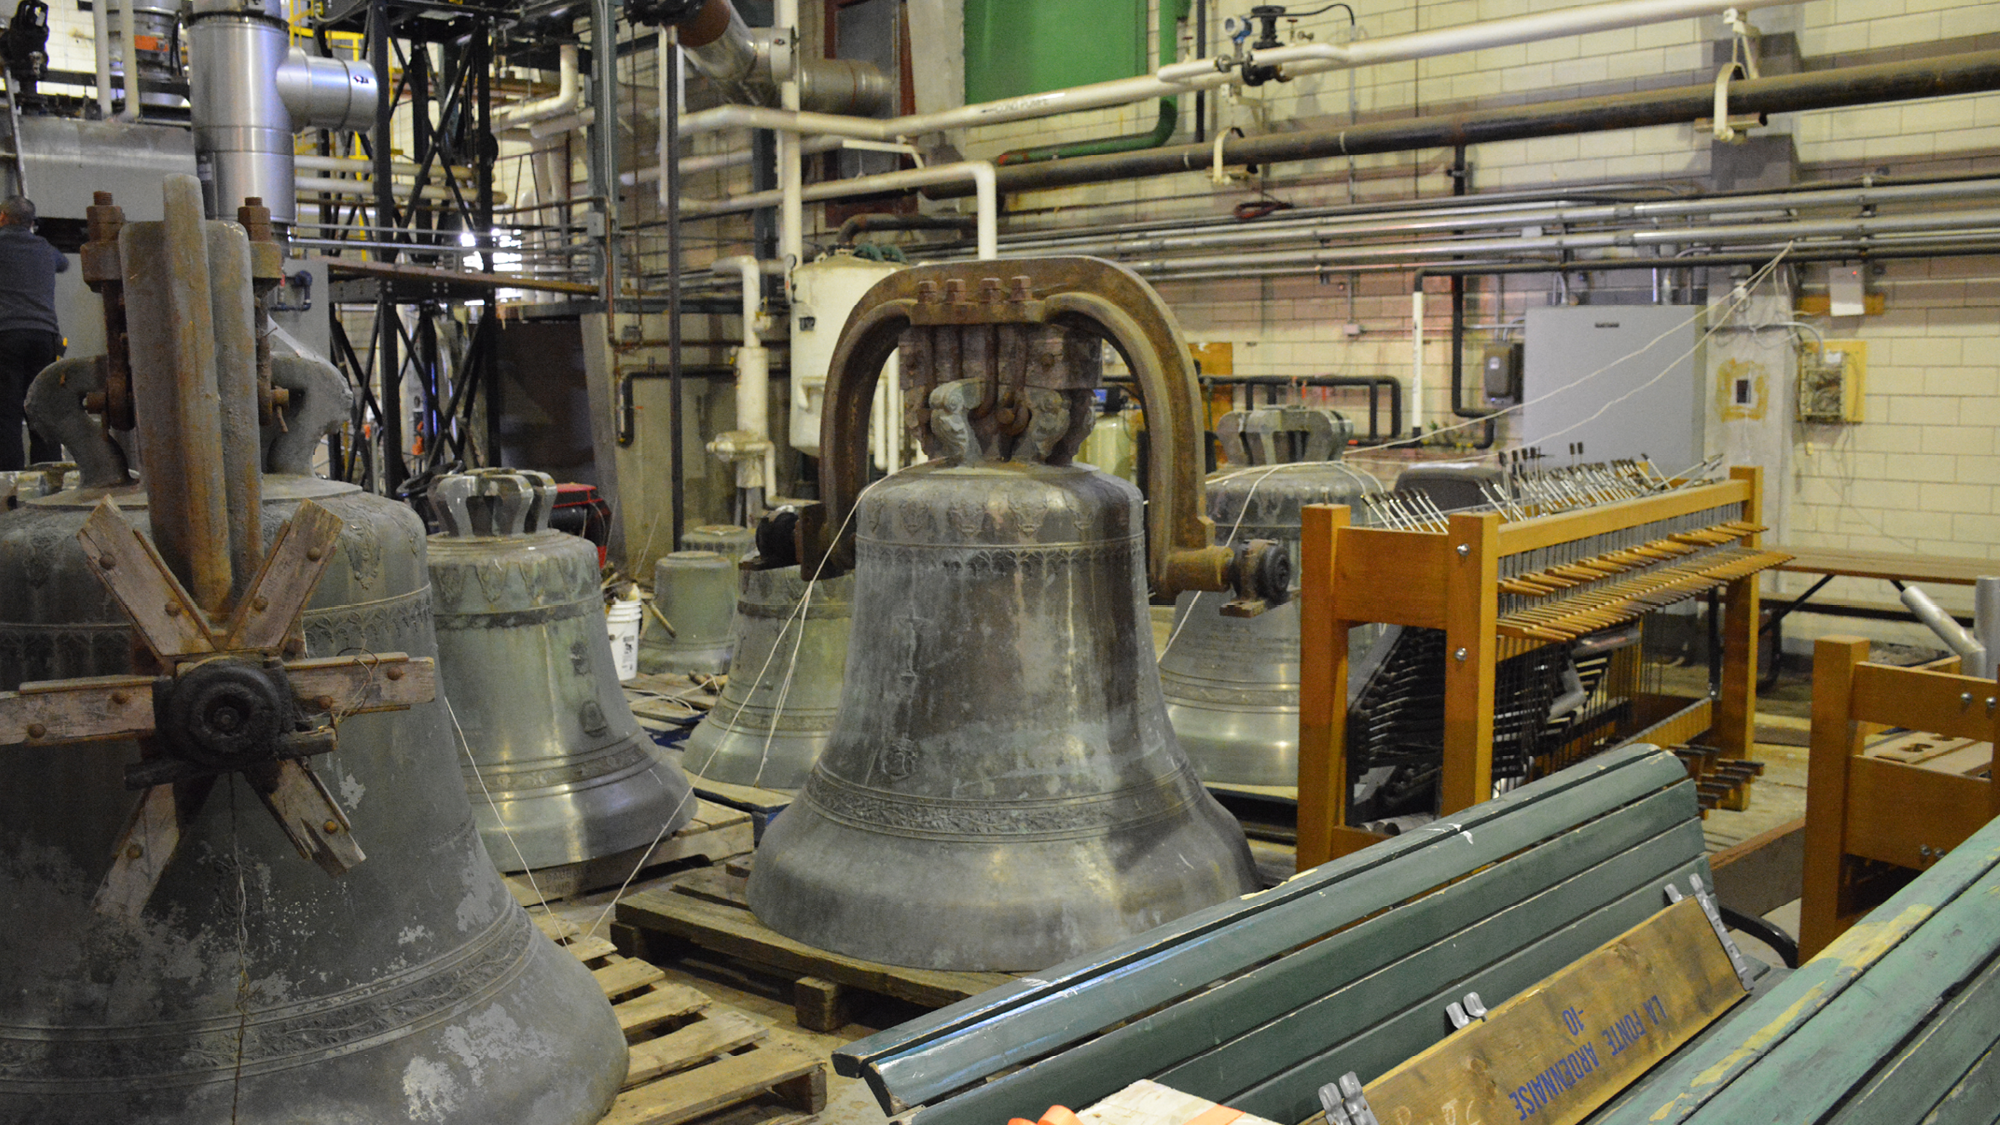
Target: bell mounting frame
(1084, 293)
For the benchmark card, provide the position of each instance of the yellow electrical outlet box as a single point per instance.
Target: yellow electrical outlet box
(1833, 382)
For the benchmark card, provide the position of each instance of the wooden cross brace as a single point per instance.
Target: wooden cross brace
(196, 652)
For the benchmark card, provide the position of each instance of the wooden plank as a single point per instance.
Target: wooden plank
(1884, 565)
(1933, 1062)
(1556, 1052)
(139, 580)
(750, 797)
(1974, 1100)
(735, 932)
(1942, 926)
(1397, 577)
(277, 595)
(1322, 688)
(626, 975)
(589, 948)
(1894, 811)
(1274, 1070)
(1764, 872)
(1390, 943)
(1736, 706)
(692, 1045)
(724, 1082)
(53, 712)
(1934, 702)
(1804, 1075)
(1836, 741)
(1567, 527)
(925, 1057)
(649, 1010)
(1471, 661)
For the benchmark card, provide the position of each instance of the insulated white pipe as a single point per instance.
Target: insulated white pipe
(128, 43)
(1986, 624)
(1202, 74)
(568, 95)
(100, 34)
(749, 445)
(980, 172)
(1972, 656)
(791, 165)
(690, 165)
(667, 43)
(1416, 395)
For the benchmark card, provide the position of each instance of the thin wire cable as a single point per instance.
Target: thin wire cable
(491, 803)
(797, 613)
(648, 853)
(1227, 539)
(1754, 280)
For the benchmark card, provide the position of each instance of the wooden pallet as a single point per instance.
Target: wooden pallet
(717, 833)
(706, 908)
(690, 1055)
(762, 804)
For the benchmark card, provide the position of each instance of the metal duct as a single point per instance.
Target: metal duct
(249, 90)
(730, 54)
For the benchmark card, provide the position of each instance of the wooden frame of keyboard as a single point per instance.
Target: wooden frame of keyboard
(1450, 580)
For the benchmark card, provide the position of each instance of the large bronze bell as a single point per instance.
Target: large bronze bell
(1002, 789)
(1232, 683)
(695, 593)
(557, 768)
(777, 710)
(165, 957)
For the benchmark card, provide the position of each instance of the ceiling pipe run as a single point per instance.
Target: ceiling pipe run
(1202, 74)
(1973, 72)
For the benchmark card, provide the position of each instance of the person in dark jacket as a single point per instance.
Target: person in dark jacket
(30, 338)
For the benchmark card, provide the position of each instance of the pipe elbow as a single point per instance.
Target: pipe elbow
(324, 93)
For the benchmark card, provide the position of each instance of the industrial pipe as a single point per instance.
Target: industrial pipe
(128, 43)
(1200, 74)
(1972, 72)
(249, 90)
(748, 447)
(1950, 632)
(853, 227)
(979, 173)
(568, 95)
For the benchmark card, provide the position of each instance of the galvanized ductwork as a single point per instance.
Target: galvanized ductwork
(744, 62)
(250, 90)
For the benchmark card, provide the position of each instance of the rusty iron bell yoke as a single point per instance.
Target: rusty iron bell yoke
(1001, 789)
(203, 671)
(557, 769)
(1232, 682)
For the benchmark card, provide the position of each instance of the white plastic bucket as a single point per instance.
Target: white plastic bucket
(621, 621)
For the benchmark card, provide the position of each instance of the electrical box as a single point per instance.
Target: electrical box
(1833, 381)
(1500, 374)
(1625, 380)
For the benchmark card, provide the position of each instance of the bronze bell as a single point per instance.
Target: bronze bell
(557, 768)
(1232, 683)
(694, 592)
(1002, 789)
(165, 957)
(777, 710)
